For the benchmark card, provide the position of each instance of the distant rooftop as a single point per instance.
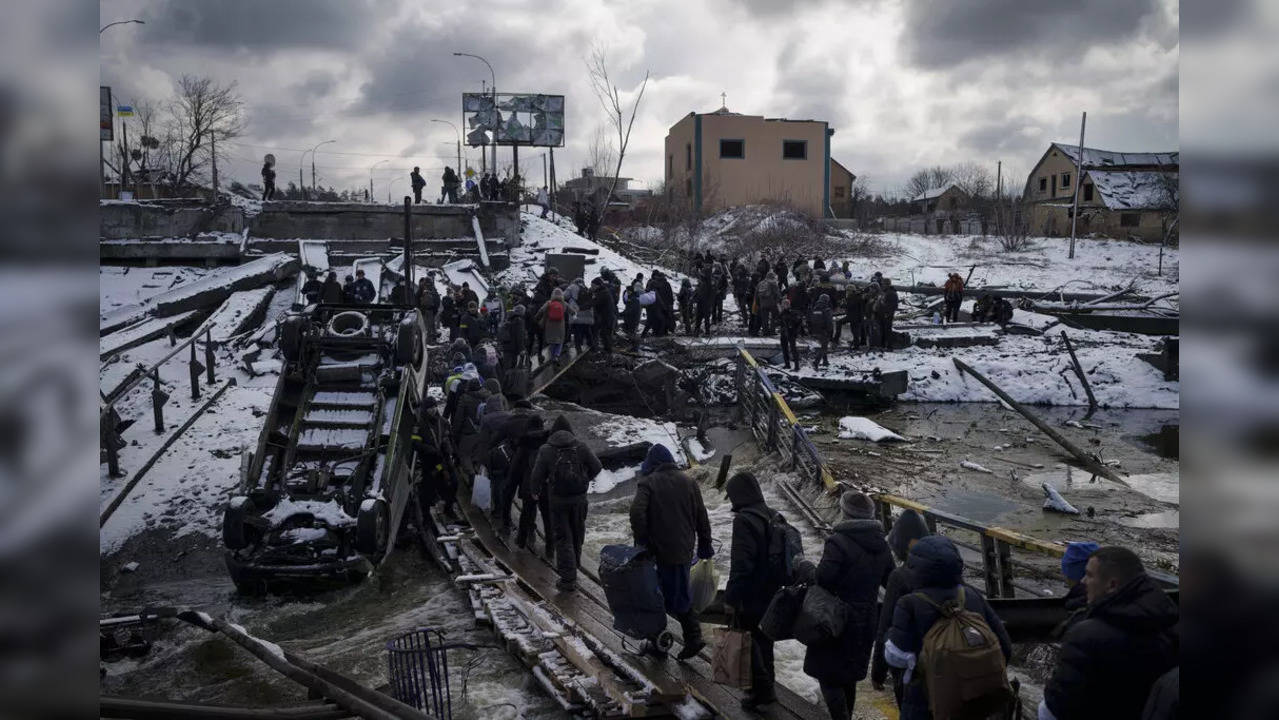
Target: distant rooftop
(933, 193)
(1094, 157)
(1134, 189)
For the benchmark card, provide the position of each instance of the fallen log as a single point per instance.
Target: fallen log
(1011, 293)
(1090, 463)
(1079, 372)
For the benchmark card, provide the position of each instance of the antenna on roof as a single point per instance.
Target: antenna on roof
(723, 98)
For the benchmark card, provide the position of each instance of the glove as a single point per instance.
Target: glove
(705, 553)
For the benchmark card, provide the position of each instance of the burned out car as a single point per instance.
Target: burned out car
(322, 496)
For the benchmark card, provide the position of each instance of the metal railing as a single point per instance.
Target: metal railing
(775, 427)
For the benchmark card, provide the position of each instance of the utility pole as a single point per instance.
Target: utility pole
(213, 152)
(999, 180)
(124, 155)
(551, 152)
(302, 185)
(312, 171)
(1079, 164)
(545, 178)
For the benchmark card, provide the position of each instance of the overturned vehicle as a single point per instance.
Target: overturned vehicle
(322, 496)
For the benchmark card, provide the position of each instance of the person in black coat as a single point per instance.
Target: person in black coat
(908, 529)
(1127, 639)
(938, 572)
(821, 324)
(704, 298)
(885, 312)
(529, 433)
(313, 288)
(669, 518)
(789, 325)
(855, 563)
(604, 298)
(418, 182)
(565, 466)
(331, 292)
(363, 289)
(854, 312)
(751, 584)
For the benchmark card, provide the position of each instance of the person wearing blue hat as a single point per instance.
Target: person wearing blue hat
(669, 518)
(1073, 563)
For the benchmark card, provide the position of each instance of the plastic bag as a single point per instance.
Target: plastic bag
(648, 298)
(704, 583)
(482, 493)
(731, 660)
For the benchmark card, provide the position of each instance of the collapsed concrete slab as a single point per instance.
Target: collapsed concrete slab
(142, 332)
(954, 336)
(239, 313)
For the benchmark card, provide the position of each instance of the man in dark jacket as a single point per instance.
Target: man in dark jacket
(768, 296)
(665, 299)
(418, 182)
(938, 572)
(908, 529)
(331, 292)
(312, 289)
(431, 446)
(566, 467)
(885, 312)
(363, 289)
(704, 296)
(604, 298)
(668, 517)
(513, 337)
(821, 324)
(854, 311)
(495, 453)
(751, 584)
(855, 563)
(472, 326)
(789, 325)
(465, 423)
(530, 434)
(1126, 640)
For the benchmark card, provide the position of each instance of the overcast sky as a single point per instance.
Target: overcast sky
(904, 84)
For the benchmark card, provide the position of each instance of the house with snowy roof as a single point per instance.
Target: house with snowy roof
(946, 200)
(723, 159)
(1122, 195)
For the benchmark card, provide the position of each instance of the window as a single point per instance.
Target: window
(688, 156)
(1043, 184)
(794, 149)
(732, 149)
(1129, 219)
(1065, 180)
(1087, 192)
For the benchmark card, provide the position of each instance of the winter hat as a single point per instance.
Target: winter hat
(1076, 558)
(557, 294)
(856, 505)
(561, 423)
(910, 526)
(657, 456)
(493, 386)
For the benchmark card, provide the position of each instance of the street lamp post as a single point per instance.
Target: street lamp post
(457, 132)
(379, 162)
(391, 187)
(495, 111)
(317, 147)
(119, 22)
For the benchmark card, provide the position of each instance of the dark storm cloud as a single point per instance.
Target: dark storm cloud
(258, 25)
(1015, 136)
(940, 34)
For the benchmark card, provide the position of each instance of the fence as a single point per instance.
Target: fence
(775, 427)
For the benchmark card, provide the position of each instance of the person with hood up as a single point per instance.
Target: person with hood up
(465, 423)
(704, 296)
(885, 312)
(751, 584)
(938, 573)
(418, 182)
(1112, 657)
(908, 529)
(790, 325)
(669, 518)
(953, 293)
(767, 298)
(854, 312)
(495, 453)
(331, 292)
(530, 435)
(554, 317)
(821, 324)
(855, 563)
(605, 303)
(431, 447)
(512, 335)
(565, 467)
(686, 304)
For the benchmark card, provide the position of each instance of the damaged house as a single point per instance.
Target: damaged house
(1123, 195)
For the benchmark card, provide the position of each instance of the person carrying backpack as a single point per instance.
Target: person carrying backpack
(953, 292)
(948, 625)
(669, 519)
(565, 466)
(761, 561)
(554, 317)
(821, 324)
(855, 562)
(907, 531)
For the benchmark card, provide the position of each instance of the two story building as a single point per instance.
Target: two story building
(723, 159)
(1122, 194)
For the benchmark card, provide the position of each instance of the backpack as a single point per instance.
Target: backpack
(962, 664)
(555, 311)
(784, 547)
(566, 477)
(499, 460)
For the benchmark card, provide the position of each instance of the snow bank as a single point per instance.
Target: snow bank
(609, 479)
(860, 428)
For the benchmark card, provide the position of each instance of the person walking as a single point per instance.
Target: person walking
(416, 180)
(855, 563)
(821, 325)
(953, 292)
(768, 295)
(669, 519)
(534, 498)
(789, 326)
(1127, 639)
(752, 581)
(938, 574)
(554, 317)
(885, 313)
(565, 466)
(268, 181)
(544, 199)
(907, 530)
(854, 312)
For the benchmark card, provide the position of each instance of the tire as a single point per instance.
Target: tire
(406, 344)
(372, 527)
(350, 323)
(237, 534)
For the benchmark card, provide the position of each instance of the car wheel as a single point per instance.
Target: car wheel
(372, 527)
(236, 532)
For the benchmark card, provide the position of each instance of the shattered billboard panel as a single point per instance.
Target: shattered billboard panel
(518, 119)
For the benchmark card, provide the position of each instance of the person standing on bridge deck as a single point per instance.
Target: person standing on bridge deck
(418, 182)
(1112, 657)
(530, 434)
(821, 325)
(885, 313)
(605, 304)
(789, 325)
(331, 293)
(705, 298)
(313, 288)
(512, 336)
(751, 582)
(268, 181)
(363, 289)
(669, 518)
(767, 296)
(907, 531)
(431, 446)
(685, 296)
(451, 184)
(855, 563)
(565, 466)
(953, 293)
(428, 301)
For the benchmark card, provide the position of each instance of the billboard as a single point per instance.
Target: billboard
(519, 119)
(106, 126)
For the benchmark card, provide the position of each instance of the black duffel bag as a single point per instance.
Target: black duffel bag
(778, 621)
(821, 617)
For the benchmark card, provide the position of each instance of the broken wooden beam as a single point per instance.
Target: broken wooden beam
(1089, 462)
(1079, 372)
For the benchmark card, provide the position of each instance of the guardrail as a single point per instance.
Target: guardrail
(776, 428)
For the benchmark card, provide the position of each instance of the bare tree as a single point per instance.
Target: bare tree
(202, 112)
(973, 179)
(600, 156)
(611, 100)
(927, 179)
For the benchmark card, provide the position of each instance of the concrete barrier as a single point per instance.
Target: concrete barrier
(175, 218)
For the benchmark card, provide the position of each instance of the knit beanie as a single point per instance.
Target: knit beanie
(657, 456)
(1076, 558)
(856, 505)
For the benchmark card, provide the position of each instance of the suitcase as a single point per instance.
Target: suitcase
(629, 578)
